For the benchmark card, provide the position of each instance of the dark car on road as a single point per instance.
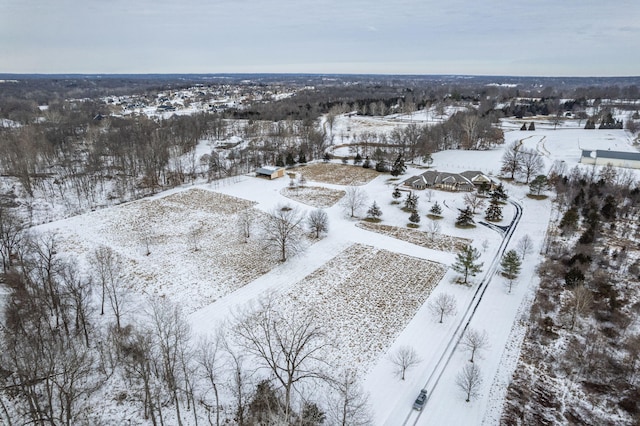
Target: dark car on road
(421, 400)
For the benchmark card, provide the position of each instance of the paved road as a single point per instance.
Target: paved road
(432, 381)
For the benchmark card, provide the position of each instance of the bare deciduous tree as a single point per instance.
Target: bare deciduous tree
(403, 359)
(195, 236)
(318, 222)
(171, 337)
(354, 200)
(246, 220)
(105, 264)
(469, 381)
(525, 245)
(512, 160)
(473, 201)
(348, 405)
(209, 359)
(579, 304)
(10, 237)
(108, 269)
(146, 238)
(433, 229)
(531, 164)
(282, 230)
(429, 194)
(474, 341)
(290, 347)
(442, 305)
(241, 381)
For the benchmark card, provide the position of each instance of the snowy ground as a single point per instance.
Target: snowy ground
(349, 265)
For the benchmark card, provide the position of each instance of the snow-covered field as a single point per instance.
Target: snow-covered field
(371, 290)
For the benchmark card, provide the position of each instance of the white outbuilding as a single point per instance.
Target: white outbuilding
(599, 157)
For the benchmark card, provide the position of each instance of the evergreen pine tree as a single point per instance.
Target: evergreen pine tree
(465, 263)
(411, 202)
(381, 166)
(396, 195)
(290, 161)
(367, 163)
(538, 184)
(374, 211)
(414, 217)
(398, 167)
(436, 210)
(465, 218)
(302, 158)
(524, 126)
(569, 219)
(532, 126)
(511, 265)
(494, 211)
(279, 161)
(357, 159)
(500, 193)
(326, 157)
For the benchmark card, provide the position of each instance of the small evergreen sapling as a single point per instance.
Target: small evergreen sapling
(465, 218)
(411, 202)
(396, 195)
(374, 212)
(436, 210)
(494, 211)
(414, 218)
(500, 193)
(538, 184)
(511, 265)
(467, 262)
(398, 167)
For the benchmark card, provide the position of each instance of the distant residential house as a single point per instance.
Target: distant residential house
(270, 172)
(465, 181)
(165, 108)
(599, 157)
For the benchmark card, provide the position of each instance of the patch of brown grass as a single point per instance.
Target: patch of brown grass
(425, 239)
(337, 174)
(316, 196)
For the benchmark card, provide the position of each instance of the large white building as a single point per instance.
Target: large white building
(615, 158)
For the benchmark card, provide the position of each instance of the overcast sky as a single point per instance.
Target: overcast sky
(490, 37)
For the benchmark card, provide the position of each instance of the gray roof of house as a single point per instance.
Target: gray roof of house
(434, 177)
(618, 155)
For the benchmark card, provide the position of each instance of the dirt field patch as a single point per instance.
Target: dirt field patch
(315, 196)
(437, 242)
(337, 174)
(365, 297)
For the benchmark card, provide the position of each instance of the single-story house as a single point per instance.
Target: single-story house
(270, 171)
(599, 157)
(465, 181)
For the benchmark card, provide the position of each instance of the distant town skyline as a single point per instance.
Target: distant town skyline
(492, 37)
